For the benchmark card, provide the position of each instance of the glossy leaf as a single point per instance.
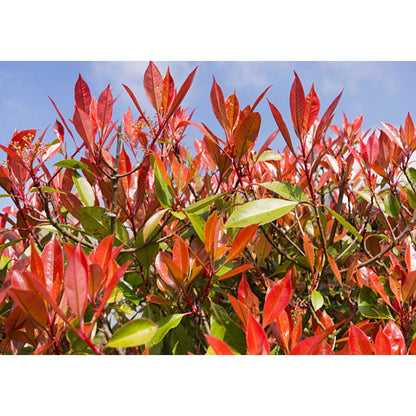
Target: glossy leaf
(257, 343)
(246, 133)
(317, 300)
(297, 105)
(219, 347)
(260, 211)
(83, 126)
(345, 224)
(241, 241)
(288, 190)
(105, 109)
(358, 342)
(218, 105)
(277, 298)
(86, 193)
(152, 223)
(82, 95)
(133, 333)
(153, 85)
(282, 126)
(76, 282)
(164, 326)
(224, 328)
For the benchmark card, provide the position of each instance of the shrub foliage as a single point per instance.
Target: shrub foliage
(130, 243)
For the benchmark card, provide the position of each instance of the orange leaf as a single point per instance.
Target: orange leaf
(181, 256)
(219, 346)
(309, 251)
(233, 272)
(212, 229)
(241, 241)
(335, 269)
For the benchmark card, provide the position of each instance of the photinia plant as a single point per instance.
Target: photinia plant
(121, 240)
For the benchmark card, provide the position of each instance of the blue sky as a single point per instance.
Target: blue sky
(382, 91)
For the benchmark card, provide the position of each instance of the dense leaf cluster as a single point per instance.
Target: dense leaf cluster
(134, 244)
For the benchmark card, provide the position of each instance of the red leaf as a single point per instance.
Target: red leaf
(182, 93)
(232, 107)
(218, 105)
(53, 266)
(82, 95)
(408, 132)
(246, 133)
(396, 339)
(76, 282)
(277, 298)
(83, 126)
(181, 256)
(36, 265)
(282, 126)
(219, 346)
(259, 98)
(257, 343)
(311, 112)
(134, 99)
(32, 304)
(105, 108)
(326, 120)
(111, 284)
(284, 323)
(163, 270)
(241, 241)
(153, 85)
(412, 348)
(102, 254)
(308, 345)
(372, 149)
(358, 342)
(168, 91)
(382, 343)
(246, 296)
(297, 105)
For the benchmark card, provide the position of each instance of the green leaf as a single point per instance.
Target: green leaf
(97, 223)
(317, 300)
(287, 190)
(152, 223)
(345, 223)
(412, 174)
(72, 164)
(163, 191)
(45, 189)
(369, 307)
(268, 155)
(225, 329)
(203, 205)
(391, 205)
(133, 333)
(165, 325)
(411, 195)
(260, 212)
(198, 225)
(86, 193)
